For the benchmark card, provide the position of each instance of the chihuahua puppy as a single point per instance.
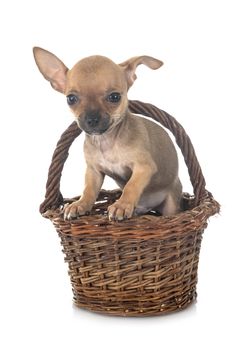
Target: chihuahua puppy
(137, 153)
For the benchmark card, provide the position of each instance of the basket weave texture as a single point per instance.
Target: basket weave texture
(143, 266)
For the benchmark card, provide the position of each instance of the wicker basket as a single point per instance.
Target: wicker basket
(143, 266)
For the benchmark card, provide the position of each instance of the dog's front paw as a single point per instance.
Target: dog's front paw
(76, 209)
(120, 210)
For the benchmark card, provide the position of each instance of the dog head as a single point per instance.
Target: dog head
(96, 87)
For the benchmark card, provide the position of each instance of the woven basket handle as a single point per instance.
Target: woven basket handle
(54, 198)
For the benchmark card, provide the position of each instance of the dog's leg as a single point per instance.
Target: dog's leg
(172, 203)
(171, 206)
(93, 183)
(124, 207)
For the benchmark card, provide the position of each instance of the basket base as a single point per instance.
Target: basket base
(126, 309)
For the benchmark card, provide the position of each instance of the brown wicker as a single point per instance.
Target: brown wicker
(143, 266)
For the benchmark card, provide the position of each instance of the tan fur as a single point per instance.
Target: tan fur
(137, 153)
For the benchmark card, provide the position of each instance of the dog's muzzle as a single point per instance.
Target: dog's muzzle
(94, 122)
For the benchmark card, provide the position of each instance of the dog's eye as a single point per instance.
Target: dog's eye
(114, 97)
(72, 99)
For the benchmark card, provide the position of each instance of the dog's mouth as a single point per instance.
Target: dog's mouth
(95, 132)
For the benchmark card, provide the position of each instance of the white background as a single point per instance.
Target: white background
(203, 83)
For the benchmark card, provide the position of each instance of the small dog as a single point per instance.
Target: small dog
(137, 153)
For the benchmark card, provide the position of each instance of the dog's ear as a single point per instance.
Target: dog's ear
(130, 66)
(51, 68)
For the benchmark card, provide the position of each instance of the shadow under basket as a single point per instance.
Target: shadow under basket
(143, 266)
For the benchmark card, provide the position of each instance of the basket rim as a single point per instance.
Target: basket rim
(142, 226)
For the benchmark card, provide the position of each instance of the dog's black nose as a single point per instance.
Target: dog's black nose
(92, 119)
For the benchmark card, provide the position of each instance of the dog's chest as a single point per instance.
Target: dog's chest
(112, 165)
(109, 158)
